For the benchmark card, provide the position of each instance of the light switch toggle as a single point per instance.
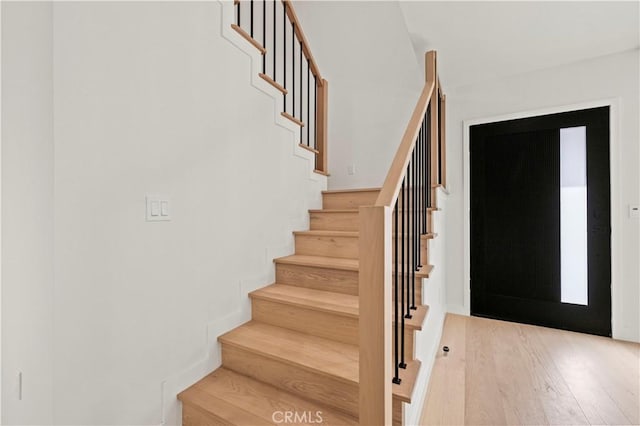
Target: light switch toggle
(158, 208)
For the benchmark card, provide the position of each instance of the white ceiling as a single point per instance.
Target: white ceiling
(480, 40)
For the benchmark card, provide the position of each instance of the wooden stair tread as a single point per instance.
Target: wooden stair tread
(325, 233)
(308, 148)
(417, 317)
(427, 236)
(250, 39)
(326, 301)
(337, 263)
(318, 355)
(320, 262)
(423, 272)
(333, 211)
(219, 409)
(323, 356)
(293, 119)
(341, 191)
(404, 391)
(430, 209)
(233, 396)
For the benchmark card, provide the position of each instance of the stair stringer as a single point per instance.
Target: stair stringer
(226, 19)
(434, 295)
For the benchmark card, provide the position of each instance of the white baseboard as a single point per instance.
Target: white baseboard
(458, 310)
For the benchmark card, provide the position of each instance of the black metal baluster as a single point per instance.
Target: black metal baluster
(308, 102)
(264, 35)
(439, 139)
(423, 196)
(419, 195)
(400, 234)
(238, 14)
(419, 190)
(293, 68)
(396, 372)
(301, 129)
(284, 54)
(251, 8)
(429, 159)
(424, 173)
(414, 231)
(407, 238)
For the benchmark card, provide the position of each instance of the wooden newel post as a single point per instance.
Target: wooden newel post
(323, 119)
(432, 76)
(375, 316)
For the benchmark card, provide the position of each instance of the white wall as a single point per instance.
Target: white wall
(27, 206)
(364, 51)
(147, 98)
(614, 76)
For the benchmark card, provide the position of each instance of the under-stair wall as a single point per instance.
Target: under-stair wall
(152, 98)
(434, 294)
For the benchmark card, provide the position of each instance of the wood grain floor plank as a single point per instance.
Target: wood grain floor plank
(483, 400)
(522, 374)
(559, 404)
(514, 376)
(597, 405)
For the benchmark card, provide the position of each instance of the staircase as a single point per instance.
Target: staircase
(333, 340)
(298, 356)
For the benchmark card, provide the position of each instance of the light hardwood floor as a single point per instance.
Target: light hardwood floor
(500, 373)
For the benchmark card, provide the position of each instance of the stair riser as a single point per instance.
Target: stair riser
(317, 323)
(418, 287)
(331, 246)
(322, 324)
(194, 416)
(424, 252)
(292, 378)
(409, 345)
(345, 221)
(398, 413)
(342, 221)
(349, 200)
(335, 280)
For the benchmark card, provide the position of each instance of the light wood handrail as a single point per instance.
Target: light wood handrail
(320, 86)
(393, 181)
(291, 13)
(375, 269)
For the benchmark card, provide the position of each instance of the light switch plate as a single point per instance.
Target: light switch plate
(158, 208)
(634, 211)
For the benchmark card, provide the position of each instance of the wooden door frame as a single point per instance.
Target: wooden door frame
(613, 104)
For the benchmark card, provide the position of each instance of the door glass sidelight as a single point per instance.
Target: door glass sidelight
(573, 216)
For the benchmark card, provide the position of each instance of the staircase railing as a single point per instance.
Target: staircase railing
(391, 234)
(289, 66)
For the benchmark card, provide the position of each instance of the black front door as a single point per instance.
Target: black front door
(540, 221)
